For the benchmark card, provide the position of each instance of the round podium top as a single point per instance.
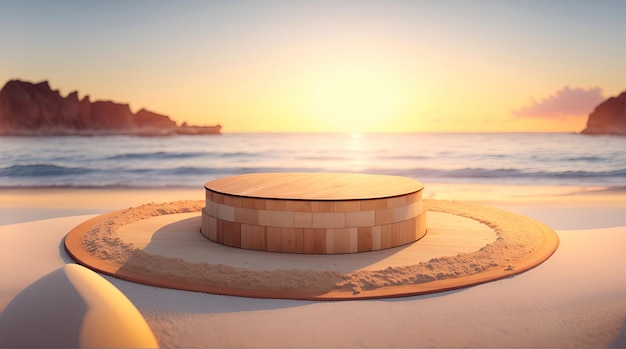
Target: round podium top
(314, 186)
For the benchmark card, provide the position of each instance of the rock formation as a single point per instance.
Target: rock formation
(609, 117)
(28, 109)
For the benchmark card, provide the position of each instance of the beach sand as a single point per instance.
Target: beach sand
(577, 298)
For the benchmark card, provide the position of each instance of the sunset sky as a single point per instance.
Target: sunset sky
(329, 66)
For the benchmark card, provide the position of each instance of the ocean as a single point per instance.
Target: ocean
(190, 161)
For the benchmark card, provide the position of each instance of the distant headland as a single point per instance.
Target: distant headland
(609, 117)
(28, 109)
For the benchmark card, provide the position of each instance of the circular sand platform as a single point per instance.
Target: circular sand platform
(316, 213)
(161, 245)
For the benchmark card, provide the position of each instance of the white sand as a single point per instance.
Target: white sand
(575, 299)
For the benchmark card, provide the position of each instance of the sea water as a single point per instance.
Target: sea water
(189, 161)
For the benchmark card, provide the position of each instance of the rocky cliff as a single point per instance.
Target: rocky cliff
(609, 117)
(28, 109)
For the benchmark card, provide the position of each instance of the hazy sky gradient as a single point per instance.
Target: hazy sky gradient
(320, 66)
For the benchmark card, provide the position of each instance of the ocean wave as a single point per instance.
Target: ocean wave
(191, 171)
(586, 158)
(49, 170)
(324, 158)
(159, 155)
(233, 154)
(42, 170)
(589, 174)
(482, 173)
(405, 157)
(162, 155)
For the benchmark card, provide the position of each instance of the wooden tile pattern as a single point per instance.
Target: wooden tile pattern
(317, 226)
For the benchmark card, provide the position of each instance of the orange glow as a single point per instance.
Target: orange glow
(311, 66)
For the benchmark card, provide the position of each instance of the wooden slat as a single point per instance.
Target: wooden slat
(314, 240)
(364, 239)
(289, 243)
(274, 238)
(253, 237)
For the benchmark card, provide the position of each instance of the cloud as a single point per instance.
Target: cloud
(563, 103)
